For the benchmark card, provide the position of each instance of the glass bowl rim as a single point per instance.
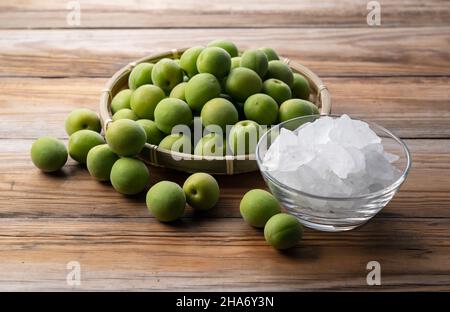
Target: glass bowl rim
(393, 186)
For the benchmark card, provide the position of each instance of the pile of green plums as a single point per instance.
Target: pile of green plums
(237, 92)
(115, 160)
(260, 209)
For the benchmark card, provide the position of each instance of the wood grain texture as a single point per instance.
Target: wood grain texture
(217, 13)
(411, 107)
(328, 52)
(143, 254)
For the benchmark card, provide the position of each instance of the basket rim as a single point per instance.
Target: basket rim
(322, 94)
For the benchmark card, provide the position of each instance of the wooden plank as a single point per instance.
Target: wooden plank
(73, 193)
(411, 107)
(219, 254)
(216, 13)
(328, 52)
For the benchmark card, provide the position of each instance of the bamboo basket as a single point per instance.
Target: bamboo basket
(229, 164)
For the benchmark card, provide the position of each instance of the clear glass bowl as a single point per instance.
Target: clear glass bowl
(333, 214)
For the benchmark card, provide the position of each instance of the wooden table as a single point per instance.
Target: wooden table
(396, 74)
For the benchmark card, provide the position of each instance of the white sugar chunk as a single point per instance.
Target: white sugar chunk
(280, 156)
(335, 157)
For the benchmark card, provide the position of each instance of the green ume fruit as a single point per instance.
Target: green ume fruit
(200, 89)
(300, 87)
(179, 91)
(242, 82)
(166, 201)
(296, 108)
(277, 89)
(125, 137)
(228, 46)
(99, 162)
(81, 142)
(129, 176)
(166, 74)
(261, 108)
(220, 112)
(188, 60)
(177, 143)
(121, 100)
(140, 75)
(125, 113)
(172, 112)
(48, 154)
(215, 61)
(258, 206)
(281, 71)
(244, 137)
(154, 135)
(211, 144)
(283, 231)
(270, 53)
(201, 190)
(82, 118)
(255, 60)
(235, 62)
(144, 100)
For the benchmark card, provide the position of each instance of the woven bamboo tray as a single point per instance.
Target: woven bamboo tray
(153, 155)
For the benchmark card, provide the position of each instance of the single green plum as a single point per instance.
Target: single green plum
(81, 142)
(154, 135)
(277, 89)
(228, 46)
(171, 112)
(201, 191)
(144, 100)
(211, 144)
(166, 201)
(215, 61)
(121, 100)
(48, 154)
(200, 89)
(166, 74)
(283, 231)
(125, 137)
(129, 176)
(258, 206)
(270, 53)
(255, 60)
(177, 143)
(125, 113)
(281, 71)
(99, 162)
(179, 91)
(300, 87)
(235, 62)
(296, 108)
(220, 112)
(82, 118)
(242, 82)
(188, 60)
(244, 137)
(261, 108)
(140, 75)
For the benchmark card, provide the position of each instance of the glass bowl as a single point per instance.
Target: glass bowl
(333, 214)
